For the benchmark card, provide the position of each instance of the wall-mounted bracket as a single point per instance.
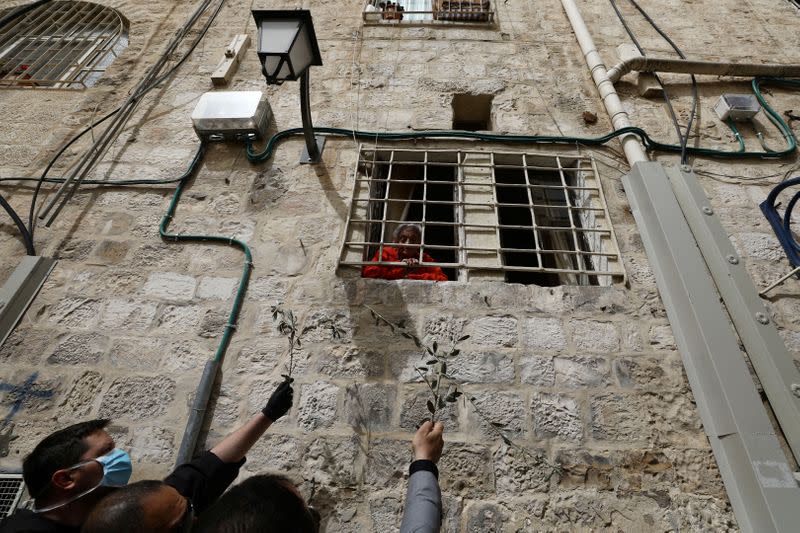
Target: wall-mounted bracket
(20, 289)
(233, 56)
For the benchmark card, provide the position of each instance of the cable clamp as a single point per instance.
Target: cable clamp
(231, 326)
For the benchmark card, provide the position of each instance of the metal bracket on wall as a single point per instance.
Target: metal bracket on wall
(20, 289)
(772, 362)
(757, 476)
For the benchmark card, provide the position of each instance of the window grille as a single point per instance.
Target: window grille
(62, 45)
(525, 218)
(11, 487)
(429, 11)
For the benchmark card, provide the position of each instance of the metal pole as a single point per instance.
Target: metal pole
(314, 145)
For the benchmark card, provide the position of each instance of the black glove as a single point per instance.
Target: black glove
(280, 402)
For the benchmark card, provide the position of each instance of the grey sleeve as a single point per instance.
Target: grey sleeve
(423, 510)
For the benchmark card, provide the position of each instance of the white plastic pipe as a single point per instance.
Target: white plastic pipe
(634, 151)
(714, 68)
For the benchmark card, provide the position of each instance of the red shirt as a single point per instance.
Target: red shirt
(430, 273)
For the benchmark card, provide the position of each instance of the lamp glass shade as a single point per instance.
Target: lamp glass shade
(277, 36)
(301, 54)
(276, 67)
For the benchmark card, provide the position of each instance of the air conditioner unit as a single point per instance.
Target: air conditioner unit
(231, 116)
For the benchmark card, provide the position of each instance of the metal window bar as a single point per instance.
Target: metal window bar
(76, 36)
(47, 54)
(11, 488)
(576, 243)
(61, 45)
(588, 258)
(421, 254)
(460, 219)
(442, 12)
(532, 205)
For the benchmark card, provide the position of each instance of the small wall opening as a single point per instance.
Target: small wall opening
(472, 112)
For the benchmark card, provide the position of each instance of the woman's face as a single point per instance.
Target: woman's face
(408, 243)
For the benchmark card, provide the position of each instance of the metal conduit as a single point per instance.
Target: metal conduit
(689, 66)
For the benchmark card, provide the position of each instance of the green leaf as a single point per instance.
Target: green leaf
(443, 367)
(442, 405)
(434, 383)
(431, 408)
(465, 337)
(416, 341)
(431, 361)
(422, 368)
(498, 424)
(435, 346)
(455, 353)
(506, 440)
(452, 397)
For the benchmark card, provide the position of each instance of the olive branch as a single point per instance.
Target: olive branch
(286, 324)
(435, 373)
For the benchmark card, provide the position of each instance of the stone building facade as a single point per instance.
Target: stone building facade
(588, 376)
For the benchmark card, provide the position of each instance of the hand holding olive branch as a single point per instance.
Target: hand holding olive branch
(434, 373)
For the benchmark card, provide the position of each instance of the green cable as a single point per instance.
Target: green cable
(736, 134)
(647, 141)
(229, 241)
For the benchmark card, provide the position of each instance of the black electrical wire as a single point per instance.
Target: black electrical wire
(685, 142)
(42, 179)
(638, 46)
(26, 236)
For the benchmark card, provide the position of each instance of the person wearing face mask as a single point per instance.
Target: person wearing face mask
(66, 474)
(70, 471)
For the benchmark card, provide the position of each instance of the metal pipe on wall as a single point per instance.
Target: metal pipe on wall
(631, 145)
(713, 68)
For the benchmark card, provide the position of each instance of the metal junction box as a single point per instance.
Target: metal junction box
(231, 115)
(737, 107)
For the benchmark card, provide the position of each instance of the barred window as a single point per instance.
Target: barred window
(61, 45)
(429, 11)
(516, 217)
(11, 487)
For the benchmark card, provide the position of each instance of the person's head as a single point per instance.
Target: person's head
(151, 506)
(408, 237)
(72, 464)
(260, 504)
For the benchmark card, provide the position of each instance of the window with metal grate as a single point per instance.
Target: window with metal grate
(516, 217)
(429, 11)
(11, 487)
(61, 45)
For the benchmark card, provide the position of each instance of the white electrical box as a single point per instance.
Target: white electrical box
(231, 116)
(737, 107)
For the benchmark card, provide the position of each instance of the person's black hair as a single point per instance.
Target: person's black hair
(58, 450)
(122, 511)
(260, 504)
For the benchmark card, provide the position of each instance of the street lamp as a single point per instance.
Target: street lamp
(287, 47)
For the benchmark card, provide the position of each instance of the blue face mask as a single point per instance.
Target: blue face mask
(117, 470)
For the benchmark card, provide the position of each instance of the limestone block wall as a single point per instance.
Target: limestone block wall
(589, 377)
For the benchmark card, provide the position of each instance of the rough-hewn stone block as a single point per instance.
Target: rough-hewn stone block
(544, 335)
(318, 403)
(494, 331)
(556, 415)
(138, 398)
(170, 286)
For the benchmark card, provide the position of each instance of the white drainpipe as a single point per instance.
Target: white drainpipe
(619, 118)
